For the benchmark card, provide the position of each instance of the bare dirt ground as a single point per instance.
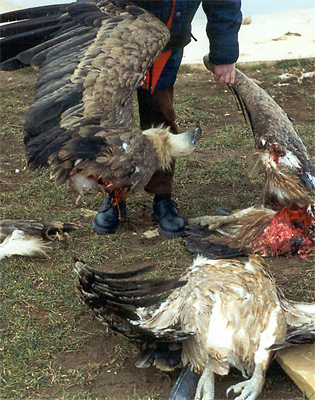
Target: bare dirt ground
(106, 360)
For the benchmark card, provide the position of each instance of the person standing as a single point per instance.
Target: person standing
(155, 97)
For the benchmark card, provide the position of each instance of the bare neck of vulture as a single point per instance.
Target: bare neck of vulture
(169, 146)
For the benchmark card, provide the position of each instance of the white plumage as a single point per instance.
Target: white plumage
(227, 313)
(26, 238)
(19, 244)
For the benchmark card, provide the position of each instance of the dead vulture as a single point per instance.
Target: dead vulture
(284, 221)
(92, 56)
(26, 238)
(220, 314)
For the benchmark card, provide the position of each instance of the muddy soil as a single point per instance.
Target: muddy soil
(113, 375)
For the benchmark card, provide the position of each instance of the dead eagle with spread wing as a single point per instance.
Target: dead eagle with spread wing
(284, 221)
(92, 57)
(26, 238)
(220, 314)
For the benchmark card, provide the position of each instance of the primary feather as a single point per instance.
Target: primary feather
(225, 313)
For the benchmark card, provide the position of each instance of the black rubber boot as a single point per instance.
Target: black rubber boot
(106, 220)
(171, 224)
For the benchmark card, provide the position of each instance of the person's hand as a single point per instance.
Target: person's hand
(224, 73)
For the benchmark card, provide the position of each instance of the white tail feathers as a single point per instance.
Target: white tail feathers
(17, 243)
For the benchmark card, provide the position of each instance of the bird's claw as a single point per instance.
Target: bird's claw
(237, 388)
(249, 390)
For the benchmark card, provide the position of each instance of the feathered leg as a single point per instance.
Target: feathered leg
(275, 331)
(205, 388)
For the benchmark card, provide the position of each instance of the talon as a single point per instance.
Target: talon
(229, 390)
(237, 388)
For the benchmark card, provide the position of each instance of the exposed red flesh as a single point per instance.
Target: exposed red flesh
(292, 231)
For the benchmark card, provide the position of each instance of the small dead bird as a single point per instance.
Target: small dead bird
(220, 314)
(26, 238)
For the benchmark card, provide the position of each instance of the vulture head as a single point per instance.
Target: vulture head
(168, 146)
(128, 168)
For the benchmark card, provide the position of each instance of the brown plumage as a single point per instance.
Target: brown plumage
(225, 313)
(26, 238)
(284, 221)
(92, 57)
(279, 147)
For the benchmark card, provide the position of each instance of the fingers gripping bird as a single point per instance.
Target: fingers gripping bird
(283, 223)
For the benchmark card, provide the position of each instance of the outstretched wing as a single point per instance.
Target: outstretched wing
(116, 298)
(92, 56)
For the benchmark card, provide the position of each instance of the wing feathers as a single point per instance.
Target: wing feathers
(115, 299)
(92, 56)
(33, 12)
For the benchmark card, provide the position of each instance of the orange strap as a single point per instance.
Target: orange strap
(153, 75)
(170, 20)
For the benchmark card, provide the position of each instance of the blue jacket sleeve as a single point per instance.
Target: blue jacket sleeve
(224, 21)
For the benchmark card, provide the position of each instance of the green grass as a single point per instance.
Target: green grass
(300, 63)
(229, 137)
(307, 133)
(39, 309)
(41, 316)
(187, 114)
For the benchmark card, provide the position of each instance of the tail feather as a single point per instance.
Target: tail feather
(233, 235)
(161, 355)
(211, 245)
(186, 384)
